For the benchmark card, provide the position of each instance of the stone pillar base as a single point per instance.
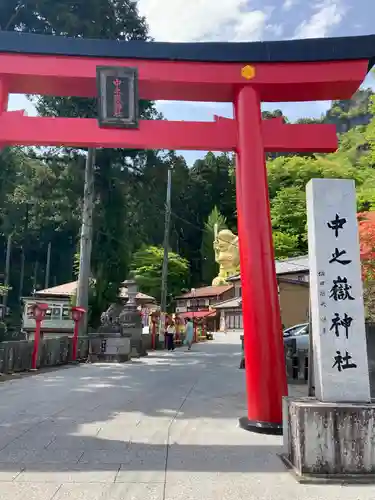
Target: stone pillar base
(137, 348)
(109, 347)
(108, 358)
(329, 442)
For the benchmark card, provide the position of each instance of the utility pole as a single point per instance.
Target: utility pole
(48, 266)
(22, 272)
(86, 238)
(35, 278)
(167, 220)
(7, 270)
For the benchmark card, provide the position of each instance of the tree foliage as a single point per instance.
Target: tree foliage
(103, 19)
(285, 245)
(366, 223)
(79, 18)
(147, 266)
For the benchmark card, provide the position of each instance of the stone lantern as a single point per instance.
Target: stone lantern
(130, 320)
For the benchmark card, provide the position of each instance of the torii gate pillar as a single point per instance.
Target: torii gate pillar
(263, 343)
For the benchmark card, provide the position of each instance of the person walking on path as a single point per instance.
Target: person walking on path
(189, 334)
(171, 330)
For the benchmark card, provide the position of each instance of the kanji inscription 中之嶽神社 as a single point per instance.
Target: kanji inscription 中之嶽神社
(338, 321)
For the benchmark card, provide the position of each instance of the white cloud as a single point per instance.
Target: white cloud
(327, 14)
(276, 29)
(288, 4)
(19, 101)
(250, 26)
(203, 20)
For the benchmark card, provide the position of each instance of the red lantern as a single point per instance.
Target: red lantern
(77, 315)
(39, 313)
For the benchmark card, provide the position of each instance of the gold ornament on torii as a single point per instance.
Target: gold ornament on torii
(226, 255)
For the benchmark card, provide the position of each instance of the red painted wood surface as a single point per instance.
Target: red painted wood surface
(263, 342)
(220, 135)
(189, 81)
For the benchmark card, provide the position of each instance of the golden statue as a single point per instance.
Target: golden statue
(226, 255)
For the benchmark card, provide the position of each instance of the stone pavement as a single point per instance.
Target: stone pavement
(161, 428)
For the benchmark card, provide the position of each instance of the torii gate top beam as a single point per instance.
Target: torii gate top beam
(298, 70)
(295, 70)
(220, 135)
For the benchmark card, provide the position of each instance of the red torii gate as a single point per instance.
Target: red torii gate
(243, 73)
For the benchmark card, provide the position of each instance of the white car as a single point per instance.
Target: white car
(299, 333)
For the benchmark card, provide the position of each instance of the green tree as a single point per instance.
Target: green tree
(210, 183)
(81, 18)
(146, 268)
(288, 214)
(288, 177)
(308, 121)
(370, 132)
(104, 19)
(276, 113)
(215, 222)
(285, 245)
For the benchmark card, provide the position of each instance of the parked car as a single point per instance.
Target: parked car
(299, 334)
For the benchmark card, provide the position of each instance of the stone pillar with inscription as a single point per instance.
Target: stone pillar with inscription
(332, 435)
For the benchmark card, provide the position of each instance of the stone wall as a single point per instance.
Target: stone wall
(15, 356)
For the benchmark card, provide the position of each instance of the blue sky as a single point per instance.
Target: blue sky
(246, 20)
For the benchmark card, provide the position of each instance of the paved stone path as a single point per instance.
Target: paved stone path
(161, 428)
